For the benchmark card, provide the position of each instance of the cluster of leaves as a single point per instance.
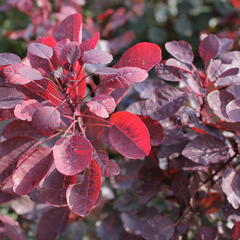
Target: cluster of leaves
(54, 147)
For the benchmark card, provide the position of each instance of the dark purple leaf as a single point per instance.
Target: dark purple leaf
(96, 56)
(225, 44)
(72, 52)
(82, 197)
(125, 77)
(9, 58)
(108, 167)
(233, 110)
(46, 120)
(10, 229)
(209, 47)
(180, 50)
(158, 228)
(70, 28)
(206, 149)
(168, 101)
(102, 105)
(19, 128)
(207, 233)
(229, 72)
(40, 50)
(10, 97)
(31, 169)
(53, 188)
(52, 223)
(21, 74)
(72, 154)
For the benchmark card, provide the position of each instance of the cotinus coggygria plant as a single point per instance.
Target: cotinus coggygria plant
(55, 145)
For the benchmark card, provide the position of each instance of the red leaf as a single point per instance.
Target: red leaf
(53, 188)
(9, 58)
(180, 50)
(129, 136)
(155, 130)
(143, 55)
(10, 97)
(108, 167)
(40, 50)
(21, 74)
(82, 197)
(46, 120)
(31, 169)
(96, 56)
(102, 105)
(208, 47)
(70, 28)
(125, 77)
(25, 110)
(52, 223)
(212, 202)
(10, 229)
(72, 154)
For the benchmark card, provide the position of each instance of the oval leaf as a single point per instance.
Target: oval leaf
(40, 50)
(10, 97)
(206, 149)
(82, 197)
(233, 110)
(180, 50)
(128, 130)
(9, 58)
(96, 56)
(21, 74)
(72, 154)
(143, 55)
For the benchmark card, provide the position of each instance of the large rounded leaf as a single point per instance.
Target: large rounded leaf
(46, 120)
(72, 154)
(129, 135)
(82, 197)
(142, 55)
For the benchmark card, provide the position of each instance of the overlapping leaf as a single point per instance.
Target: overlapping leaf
(10, 97)
(72, 154)
(128, 130)
(82, 197)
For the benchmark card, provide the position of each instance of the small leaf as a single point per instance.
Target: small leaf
(70, 28)
(46, 120)
(31, 169)
(90, 43)
(52, 223)
(72, 154)
(40, 50)
(143, 55)
(21, 74)
(82, 197)
(208, 48)
(25, 110)
(95, 56)
(102, 105)
(9, 58)
(108, 167)
(10, 97)
(236, 228)
(125, 77)
(128, 130)
(71, 52)
(206, 149)
(180, 50)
